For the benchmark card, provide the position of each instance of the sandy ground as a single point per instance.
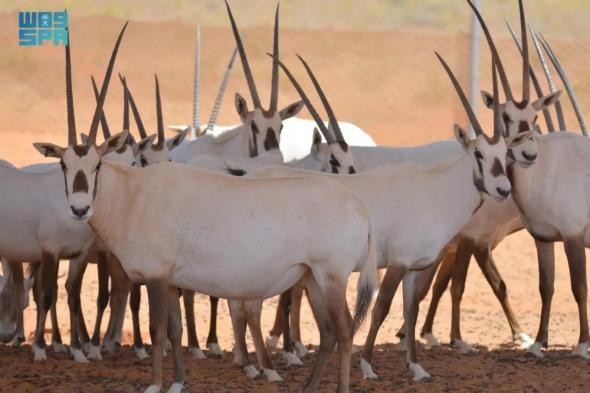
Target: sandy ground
(498, 366)
(377, 65)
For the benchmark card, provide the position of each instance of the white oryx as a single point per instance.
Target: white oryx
(37, 229)
(399, 199)
(154, 236)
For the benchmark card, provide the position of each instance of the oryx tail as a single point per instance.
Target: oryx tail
(367, 283)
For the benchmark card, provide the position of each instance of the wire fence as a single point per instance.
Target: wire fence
(377, 65)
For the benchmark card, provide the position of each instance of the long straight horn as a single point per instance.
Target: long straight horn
(274, 86)
(197, 84)
(103, 119)
(550, 81)
(329, 111)
(244, 58)
(329, 138)
(125, 104)
(526, 81)
(567, 84)
(536, 83)
(136, 116)
(503, 77)
(221, 92)
(161, 137)
(470, 114)
(104, 88)
(70, 97)
(497, 117)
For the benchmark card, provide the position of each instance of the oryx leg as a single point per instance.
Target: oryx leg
(74, 287)
(318, 299)
(290, 358)
(253, 311)
(410, 316)
(57, 344)
(295, 320)
(175, 337)
(391, 280)
(120, 288)
(443, 277)
(212, 342)
(159, 294)
(45, 284)
(485, 260)
(422, 287)
(238, 318)
(546, 260)
(101, 302)
(188, 298)
(576, 258)
(134, 302)
(465, 250)
(277, 328)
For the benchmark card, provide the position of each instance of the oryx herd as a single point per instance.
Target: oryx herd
(277, 205)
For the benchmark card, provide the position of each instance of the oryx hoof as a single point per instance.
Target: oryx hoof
(251, 371)
(581, 350)
(535, 350)
(197, 353)
(431, 341)
(271, 343)
(523, 339)
(368, 372)
(78, 355)
(420, 375)
(300, 349)
(463, 347)
(271, 375)
(17, 341)
(153, 389)
(215, 350)
(109, 346)
(176, 387)
(38, 353)
(86, 347)
(94, 352)
(141, 353)
(291, 359)
(58, 347)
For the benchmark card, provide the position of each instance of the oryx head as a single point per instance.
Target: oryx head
(518, 117)
(264, 126)
(335, 156)
(148, 151)
(81, 163)
(488, 153)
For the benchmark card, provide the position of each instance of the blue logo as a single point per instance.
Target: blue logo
(37, 28)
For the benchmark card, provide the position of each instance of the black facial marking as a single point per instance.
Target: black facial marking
(143, 161)
(523, 126)
(253, 142)
(521, 105)
(270, 142)
(96, 180)
(64, 170)
(81, 150)
(479, 158)
(497, 168)
(351, 170)
(334, 163)
(80, 183)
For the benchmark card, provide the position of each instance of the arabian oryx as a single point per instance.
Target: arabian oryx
(260, 130)
(399, 199)
(38, 227)
(125, 207)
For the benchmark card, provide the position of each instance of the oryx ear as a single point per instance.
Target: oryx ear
(84, 138)
(112, 144)
(144, 144)
(462, 136)
(241, 106)
(49, 150)
(488, 99)
(177, 139)
(291, 110)
(547, 101)
(316, 143)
